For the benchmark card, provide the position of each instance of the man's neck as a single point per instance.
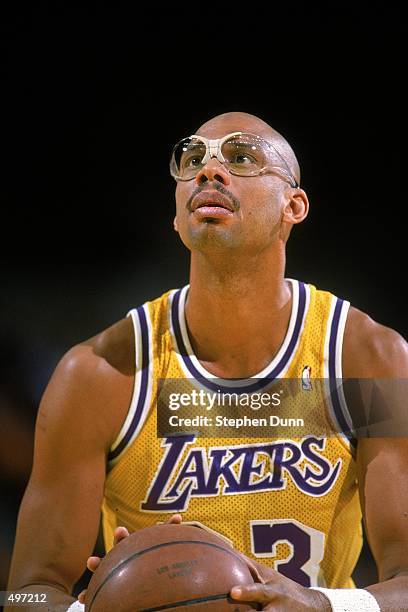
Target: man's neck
(237, 314)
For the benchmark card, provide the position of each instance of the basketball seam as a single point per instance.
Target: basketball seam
(186, 602)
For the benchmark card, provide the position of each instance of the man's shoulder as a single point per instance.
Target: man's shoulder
(93, 382)
(110, 349)
(372, 350)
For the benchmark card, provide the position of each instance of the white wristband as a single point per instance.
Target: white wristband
(350, 600)
(76, 607)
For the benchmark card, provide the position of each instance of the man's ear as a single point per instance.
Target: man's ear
(295, 210)
(297, 207)
(175, 224)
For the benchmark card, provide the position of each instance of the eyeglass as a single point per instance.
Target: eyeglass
(241, 153)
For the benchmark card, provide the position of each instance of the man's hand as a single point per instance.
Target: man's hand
(120, 534)
(280, 594)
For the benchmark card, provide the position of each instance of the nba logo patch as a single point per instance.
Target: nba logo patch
(306, 382)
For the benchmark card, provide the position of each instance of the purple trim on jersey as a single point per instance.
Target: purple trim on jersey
(259, 384)
(143, 385)
(338, 411)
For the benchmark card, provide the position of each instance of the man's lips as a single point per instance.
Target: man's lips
(211, 199)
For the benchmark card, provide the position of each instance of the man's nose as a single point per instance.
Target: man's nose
(213, 171)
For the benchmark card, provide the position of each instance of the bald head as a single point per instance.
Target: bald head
(244, 122)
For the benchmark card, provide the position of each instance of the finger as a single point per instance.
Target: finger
(81, 596)
(176, 519)
(261, 593)
(120, 534)
(260, 573)
(93, 563)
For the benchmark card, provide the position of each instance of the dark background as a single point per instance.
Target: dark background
(95, 96)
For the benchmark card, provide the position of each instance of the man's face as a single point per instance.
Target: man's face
(220, 212)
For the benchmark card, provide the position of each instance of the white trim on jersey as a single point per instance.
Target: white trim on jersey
(337, 339)
(137, 403)
(338, 362)
(327, 337)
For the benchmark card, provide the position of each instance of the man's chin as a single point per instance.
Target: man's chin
(210, 235)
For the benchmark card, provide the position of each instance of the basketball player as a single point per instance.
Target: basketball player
(294, 505)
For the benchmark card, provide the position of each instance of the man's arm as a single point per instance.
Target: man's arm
(383, 468)
(376, 352)
(79, 417)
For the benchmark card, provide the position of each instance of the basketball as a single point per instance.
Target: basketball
(169, 567)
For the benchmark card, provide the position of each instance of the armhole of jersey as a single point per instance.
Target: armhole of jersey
(333, 371)
(142, 387)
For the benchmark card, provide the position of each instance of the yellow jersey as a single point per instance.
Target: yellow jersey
(289, 501)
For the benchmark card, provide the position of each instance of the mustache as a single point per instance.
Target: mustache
(217, 187)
